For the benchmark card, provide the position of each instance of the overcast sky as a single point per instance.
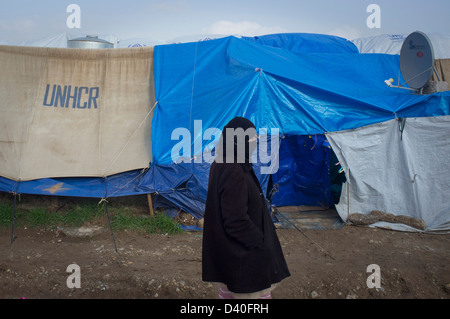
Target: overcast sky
(30, 20)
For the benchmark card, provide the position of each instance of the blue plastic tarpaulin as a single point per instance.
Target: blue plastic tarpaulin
(306, 43)
(122, 184)
(302, 84)
(299, 93)
(303, 175)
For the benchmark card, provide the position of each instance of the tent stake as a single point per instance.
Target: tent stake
(348, 196)
(14, 214)
(150, 204)
(107, 214)
(110, 226)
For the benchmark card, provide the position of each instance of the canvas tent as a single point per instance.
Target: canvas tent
(318, 90)
(73, 114)
(60, 40)
(392, 44)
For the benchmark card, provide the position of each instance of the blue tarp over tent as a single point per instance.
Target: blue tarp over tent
(276, 83)
(303, 84)
(306, 43)
(301, 94)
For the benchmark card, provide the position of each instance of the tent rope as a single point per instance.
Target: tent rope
(105, 202)
(406, 81)
(144, 170)
(131, 136)
(309, 238)
(193, 85)
(14, 213)
(190, 125)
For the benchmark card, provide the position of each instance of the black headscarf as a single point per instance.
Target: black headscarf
(243, 137)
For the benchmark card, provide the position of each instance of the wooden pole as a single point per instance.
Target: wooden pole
(150, 204)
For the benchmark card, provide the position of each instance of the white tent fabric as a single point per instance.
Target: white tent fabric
(60, 40)
(52, 41)
(392, 44)
(199, 37)
(401, 173)
(138, 42)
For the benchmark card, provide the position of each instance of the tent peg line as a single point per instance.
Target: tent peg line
(13, 220)
(309, 238)
(14, 214)
(110, 227)
(105, 203)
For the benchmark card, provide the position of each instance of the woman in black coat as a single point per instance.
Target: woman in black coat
(241, 250)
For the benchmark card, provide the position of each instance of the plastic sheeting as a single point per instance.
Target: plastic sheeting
(302, 43)
(59, 40)
(184, 185)
(303, 176)
(275, 86)
(214, 81)
(398, 169)
(274, 83)
(123, 184)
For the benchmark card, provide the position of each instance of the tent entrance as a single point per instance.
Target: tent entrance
(307, 185)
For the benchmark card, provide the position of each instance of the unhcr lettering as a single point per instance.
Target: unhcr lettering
(71, 96)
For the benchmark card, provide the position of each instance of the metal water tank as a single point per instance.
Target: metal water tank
(89, 42)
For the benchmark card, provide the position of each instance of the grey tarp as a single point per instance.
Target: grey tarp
(397, 171)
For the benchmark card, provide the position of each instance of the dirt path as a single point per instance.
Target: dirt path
(412, 265)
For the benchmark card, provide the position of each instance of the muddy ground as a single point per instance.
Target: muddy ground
(413, 265)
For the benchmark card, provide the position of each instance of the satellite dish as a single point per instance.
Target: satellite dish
(417, 60)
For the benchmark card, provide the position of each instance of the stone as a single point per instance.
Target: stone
(447, 288)
(83, 231)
